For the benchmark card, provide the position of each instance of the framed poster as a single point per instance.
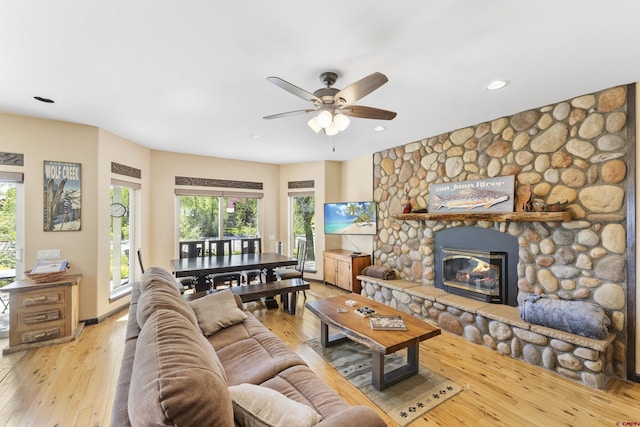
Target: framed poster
(482, 195)
(62, 191)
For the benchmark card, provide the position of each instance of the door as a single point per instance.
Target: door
(330, 270)
(344, 274)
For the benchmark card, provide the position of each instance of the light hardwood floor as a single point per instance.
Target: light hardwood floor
(73, 384)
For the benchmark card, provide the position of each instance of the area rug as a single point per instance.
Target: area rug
(405, 401)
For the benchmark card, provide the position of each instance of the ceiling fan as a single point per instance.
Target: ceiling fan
(334, 105)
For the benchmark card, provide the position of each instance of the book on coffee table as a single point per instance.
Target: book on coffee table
(387, 323)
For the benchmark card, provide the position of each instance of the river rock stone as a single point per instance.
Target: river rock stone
(387, 166)
(611, 99)
(561, 345)
(450, 323)
(472, 334)
(568, 361)
(531, 354)
(525, 120)
(614, 238)
(615, 122)
(611, 267)
(592, 127)
(586, 353)
(551, 139)
(454, 166)
(602, 198)
(573, 178)
(498, 149)
(500, 331)
(588, 238)
(613, 171)
(610, 296)
(561, 194)
(585, 102)
(580, 148)
(520, 141)
(548, 281)
(461, 136)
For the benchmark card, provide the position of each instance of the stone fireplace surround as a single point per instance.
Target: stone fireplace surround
(575, 150)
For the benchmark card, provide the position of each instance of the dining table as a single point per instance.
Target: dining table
(200, 267)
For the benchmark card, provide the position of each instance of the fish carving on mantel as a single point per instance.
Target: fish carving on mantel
(470, 198)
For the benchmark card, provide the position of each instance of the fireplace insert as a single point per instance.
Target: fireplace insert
(475, 274)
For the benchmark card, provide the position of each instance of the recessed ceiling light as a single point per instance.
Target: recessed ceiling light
(255, 136)
(41, 99)
(379, 128)
(497, 84)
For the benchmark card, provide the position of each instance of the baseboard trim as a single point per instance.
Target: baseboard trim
(96, 320)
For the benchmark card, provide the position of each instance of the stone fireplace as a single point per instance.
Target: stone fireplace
(574, 152)
(477, 263)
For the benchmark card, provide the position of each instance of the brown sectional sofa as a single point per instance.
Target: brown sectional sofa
(173, 374)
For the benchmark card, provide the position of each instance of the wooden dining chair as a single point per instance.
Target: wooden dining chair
(191, 248)
(298, 270)
(251, 246)
(220, 248)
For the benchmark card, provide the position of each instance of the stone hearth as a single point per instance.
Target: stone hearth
(574, 151)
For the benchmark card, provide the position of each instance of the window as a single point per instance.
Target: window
(303, 225)
(123, 247)
(11, 235)
(233, 216)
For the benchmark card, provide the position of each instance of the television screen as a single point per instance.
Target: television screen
(350, 218)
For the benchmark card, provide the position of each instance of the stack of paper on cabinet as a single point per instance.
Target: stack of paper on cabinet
(49, 266)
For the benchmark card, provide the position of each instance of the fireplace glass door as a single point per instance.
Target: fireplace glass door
(473, 272)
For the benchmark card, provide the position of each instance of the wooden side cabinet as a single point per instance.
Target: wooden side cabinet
(42, 313)
(341, 268)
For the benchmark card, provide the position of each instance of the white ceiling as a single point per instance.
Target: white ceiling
(190, 75)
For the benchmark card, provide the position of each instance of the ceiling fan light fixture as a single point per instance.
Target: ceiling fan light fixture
(341, 121)
(313, 124)
(325, 119)
(331, 130)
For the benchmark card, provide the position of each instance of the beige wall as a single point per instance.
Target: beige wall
(357, 185)
(41, 140)
(322, 173)
(163, 243)
(112, 148)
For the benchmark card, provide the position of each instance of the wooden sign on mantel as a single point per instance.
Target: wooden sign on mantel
(482, 195)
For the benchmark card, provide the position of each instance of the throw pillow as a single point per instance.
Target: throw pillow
(216, 311)
(256, 406)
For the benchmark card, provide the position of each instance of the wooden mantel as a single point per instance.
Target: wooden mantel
(564, 216)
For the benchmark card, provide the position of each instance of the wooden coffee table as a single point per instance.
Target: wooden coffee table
(357, 328)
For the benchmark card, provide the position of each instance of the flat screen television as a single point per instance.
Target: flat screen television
(350, 218)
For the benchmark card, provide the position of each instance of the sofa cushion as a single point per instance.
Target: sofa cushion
(255, 406)
(160, 294)
(156, 275)
(217, 311)
(177, 379)
(256, 359)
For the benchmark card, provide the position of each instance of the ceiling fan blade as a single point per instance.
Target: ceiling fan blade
(360, 89)
(301, 93)
(368, 112)
(288, 113)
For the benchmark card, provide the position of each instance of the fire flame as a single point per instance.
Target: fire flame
(481, 267)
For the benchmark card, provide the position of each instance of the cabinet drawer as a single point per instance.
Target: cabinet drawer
(32, 318)
(39, 335)
(33, 299)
